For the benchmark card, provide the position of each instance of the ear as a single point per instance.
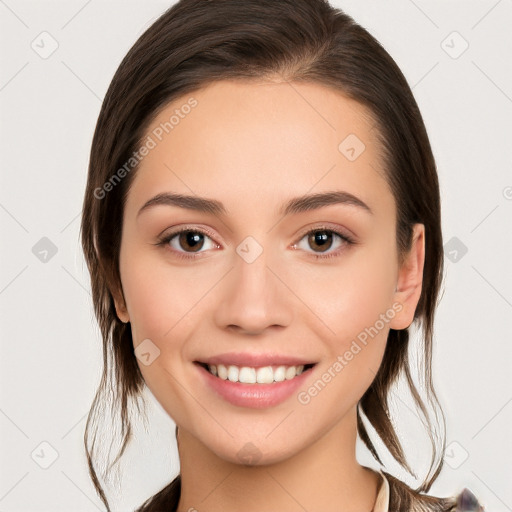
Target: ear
(120, 305)
(410, 280)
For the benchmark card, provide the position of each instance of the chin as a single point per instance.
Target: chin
(253, 453)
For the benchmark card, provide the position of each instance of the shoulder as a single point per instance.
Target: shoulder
(402, 498)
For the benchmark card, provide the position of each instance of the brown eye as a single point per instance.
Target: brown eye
(188, 241)
(193, 240)
(318, 243)
(320, 239)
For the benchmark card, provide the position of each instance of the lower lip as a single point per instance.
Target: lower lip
(256, 396)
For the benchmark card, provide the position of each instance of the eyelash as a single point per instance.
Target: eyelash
(164, 241)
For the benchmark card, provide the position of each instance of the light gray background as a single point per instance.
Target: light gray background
(50, 345)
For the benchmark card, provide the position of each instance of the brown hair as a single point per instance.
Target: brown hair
(194, 43)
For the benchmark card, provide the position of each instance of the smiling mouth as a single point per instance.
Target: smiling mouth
(255, 375)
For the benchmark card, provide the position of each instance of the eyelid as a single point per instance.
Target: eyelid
(327, 226)
(347, 240)
(164, 239)
(169, 233)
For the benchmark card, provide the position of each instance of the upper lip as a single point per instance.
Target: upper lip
(245, 359)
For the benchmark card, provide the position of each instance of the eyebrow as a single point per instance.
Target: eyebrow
(295, 205)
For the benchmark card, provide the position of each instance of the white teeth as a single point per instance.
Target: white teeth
(290, 373)
(280, 373)
(265, 375)
(248, 375)
(233, 372)
(222, 371)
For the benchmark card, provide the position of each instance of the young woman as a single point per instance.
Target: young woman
(262, 228)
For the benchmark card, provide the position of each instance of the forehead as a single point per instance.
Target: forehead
(262, 140)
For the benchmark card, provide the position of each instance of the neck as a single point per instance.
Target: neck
(322, 476)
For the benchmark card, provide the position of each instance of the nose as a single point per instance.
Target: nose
(254, 296)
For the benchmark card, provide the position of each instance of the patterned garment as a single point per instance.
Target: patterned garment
(466, 501)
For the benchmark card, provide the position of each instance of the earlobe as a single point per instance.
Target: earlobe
(121, 310)
(410, 280)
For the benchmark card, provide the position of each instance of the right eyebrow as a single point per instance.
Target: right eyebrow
(200, 204)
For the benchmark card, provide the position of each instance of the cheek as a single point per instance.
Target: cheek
(163, 299)
(350, 296)
(153, 302)
(354, 302)
(159, 303)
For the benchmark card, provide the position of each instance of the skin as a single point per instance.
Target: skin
(253, 146)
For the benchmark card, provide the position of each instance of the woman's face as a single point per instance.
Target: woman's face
(268, 275)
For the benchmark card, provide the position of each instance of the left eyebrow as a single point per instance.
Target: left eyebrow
(315, 201)
(295, 205)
